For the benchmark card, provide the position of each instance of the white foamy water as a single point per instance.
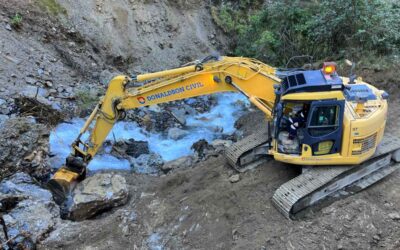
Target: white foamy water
(199, 126)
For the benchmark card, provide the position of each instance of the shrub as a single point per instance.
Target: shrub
(87, 100)
(324, 29)
(350, 28)
(16, 21)
(52, 6)
(276, 33)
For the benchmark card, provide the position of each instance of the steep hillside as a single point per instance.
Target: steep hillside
(147, 35)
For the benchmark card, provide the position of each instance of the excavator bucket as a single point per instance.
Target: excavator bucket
(62, 183)
(66, 178)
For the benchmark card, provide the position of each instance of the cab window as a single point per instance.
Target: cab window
(324, 120)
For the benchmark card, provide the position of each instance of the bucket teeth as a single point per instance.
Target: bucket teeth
(59, 189)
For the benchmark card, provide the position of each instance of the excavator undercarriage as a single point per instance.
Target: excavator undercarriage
(315, 183)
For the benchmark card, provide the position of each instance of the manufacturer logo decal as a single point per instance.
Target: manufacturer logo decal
(141, 100)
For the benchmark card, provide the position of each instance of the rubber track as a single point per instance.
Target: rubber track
(238, 149)
(302, 187)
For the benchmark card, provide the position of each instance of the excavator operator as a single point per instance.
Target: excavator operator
(297, 120)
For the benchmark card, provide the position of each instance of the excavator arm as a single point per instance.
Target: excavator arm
(250, 77)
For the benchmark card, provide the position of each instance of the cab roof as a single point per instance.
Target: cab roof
(309, 81)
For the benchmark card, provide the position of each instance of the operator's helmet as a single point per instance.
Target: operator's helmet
(297, 108)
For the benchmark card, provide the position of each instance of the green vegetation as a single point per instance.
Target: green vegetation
(52, 6)
(324, 29)
(16, 21)
(87, 98)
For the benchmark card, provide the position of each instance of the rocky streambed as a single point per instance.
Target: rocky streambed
(191, 132)
(29, 213)
(159, 134)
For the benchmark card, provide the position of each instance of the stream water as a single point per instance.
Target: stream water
(199, 126)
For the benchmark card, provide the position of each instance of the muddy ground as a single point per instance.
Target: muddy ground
(61, 50)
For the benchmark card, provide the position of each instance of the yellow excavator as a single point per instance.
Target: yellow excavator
(331, 125)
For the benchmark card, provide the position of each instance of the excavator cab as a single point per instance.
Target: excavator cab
(309, 116)
(316, 123)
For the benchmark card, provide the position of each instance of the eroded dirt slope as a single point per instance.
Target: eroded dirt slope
(147, 35)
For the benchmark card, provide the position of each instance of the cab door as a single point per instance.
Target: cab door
(324, 127)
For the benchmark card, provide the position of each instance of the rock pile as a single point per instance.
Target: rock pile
(147, 163)
(138, 155)
(130, 148)
(202, 148)
(27, 211)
